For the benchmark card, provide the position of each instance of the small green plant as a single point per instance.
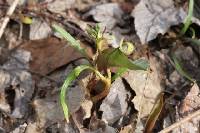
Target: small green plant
(100, 64)
(188, 21)
(180, 69)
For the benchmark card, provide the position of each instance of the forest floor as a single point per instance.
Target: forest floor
(35, 61)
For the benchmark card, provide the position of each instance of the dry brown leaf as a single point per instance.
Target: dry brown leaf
(32, 128)
(49, 54)
(189, 60)
(191, 101)
(87, 106)
(127, 129)
(147, 87)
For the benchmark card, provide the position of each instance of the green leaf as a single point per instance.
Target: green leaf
(94, 32)
(144, 64)
(119, 72)
(193, 32)
(188, 18)
(73, 42)
(72, 76)
(122, 70)
(193, 41)
(180, 69)
(115, 58)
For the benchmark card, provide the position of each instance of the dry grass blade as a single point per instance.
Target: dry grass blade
(154, 114)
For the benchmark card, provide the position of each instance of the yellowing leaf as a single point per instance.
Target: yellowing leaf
(25, 19)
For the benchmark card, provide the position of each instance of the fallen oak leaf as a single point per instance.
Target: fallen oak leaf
(49, 54)
(155, 16)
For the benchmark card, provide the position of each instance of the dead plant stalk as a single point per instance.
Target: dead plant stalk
(179, 123)
(7, 17)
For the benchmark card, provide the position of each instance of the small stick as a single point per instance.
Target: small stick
(179, 123)
(7, 17)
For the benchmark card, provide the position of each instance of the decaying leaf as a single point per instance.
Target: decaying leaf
(75, 100)
(189, 62)
(49, 54)
(156, 16)
(115, 104)
(23, 93)
(87, 106)
(33, 128)
(188, 105)
(48, 111)
(147, 87)
(107, 14)
(3, 54)
(83, 5)
(179, 68)
(18, 81)
(69, 128)
(191, 101)
(39, 30)
(4, 82)
(59, 6)
(20, 129)
(127, 129)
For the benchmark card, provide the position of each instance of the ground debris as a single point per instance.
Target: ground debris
(60, 6)
(48, 111)
(34, 64)
(188, 105)
(154, 17)
(39, 30)
(17, 81)
(108, 15)
(20, 129)
(49, 54)
(115, 105)
(147, 87)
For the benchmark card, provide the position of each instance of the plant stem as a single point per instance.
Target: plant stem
(188, 18)
(107, 82)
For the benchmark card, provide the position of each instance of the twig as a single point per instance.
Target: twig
(7, 17)
(177, 124)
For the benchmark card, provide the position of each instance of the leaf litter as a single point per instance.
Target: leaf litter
(32, 74)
